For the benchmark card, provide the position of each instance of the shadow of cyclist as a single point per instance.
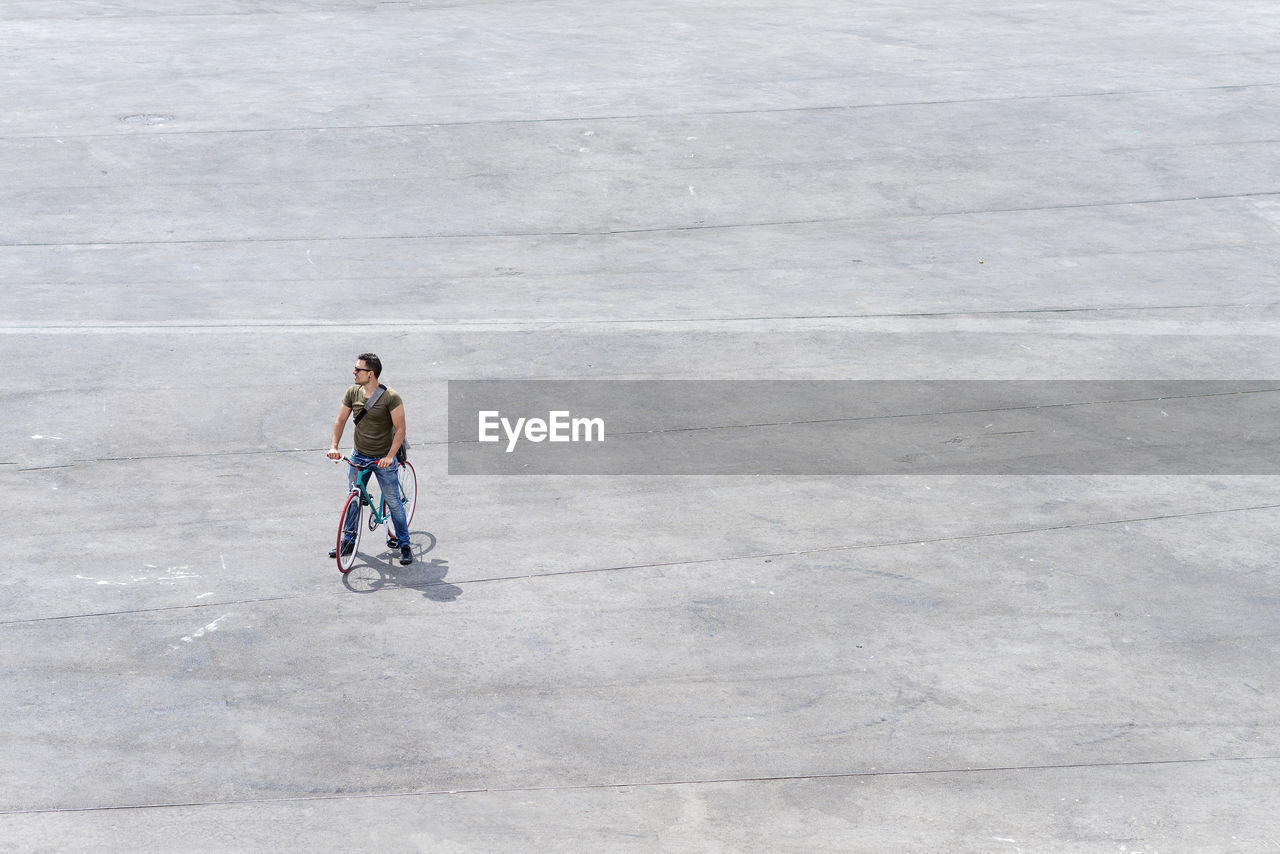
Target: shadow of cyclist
(385, 572)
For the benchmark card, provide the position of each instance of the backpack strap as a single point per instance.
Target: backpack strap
(370, 402)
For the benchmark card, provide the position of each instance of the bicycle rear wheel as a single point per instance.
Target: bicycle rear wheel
(408, 495)
(351, 511)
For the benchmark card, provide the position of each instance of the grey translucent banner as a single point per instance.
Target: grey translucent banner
(703, 427)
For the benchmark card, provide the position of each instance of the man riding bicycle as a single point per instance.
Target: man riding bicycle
(379, 435)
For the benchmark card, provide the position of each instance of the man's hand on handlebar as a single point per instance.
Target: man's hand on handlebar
(384, 463)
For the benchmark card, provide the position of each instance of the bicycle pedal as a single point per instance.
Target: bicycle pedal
(364, 501)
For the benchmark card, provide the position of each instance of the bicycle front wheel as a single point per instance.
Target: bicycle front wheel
(349, 521)
(408, 494)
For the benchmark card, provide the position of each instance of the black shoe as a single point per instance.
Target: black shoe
(393, 543)
(347, 546)
(406, 556)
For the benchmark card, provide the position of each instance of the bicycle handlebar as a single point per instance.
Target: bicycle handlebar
(364, 467)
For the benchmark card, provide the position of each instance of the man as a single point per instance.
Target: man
(378, 436)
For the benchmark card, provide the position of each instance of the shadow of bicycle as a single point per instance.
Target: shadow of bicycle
(381, 570)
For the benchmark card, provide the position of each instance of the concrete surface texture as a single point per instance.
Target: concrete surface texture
(210, 208)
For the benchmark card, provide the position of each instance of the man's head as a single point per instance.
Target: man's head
(370, 362)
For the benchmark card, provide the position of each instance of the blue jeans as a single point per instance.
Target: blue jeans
(389, 483)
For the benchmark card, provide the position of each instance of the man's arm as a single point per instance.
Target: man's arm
(397, 421)
(340, 424)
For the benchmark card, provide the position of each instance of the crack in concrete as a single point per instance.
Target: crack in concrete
(664, 229)
(257, 326)
(693, 561)
(820, 108)
(653, 784)
(886, 544)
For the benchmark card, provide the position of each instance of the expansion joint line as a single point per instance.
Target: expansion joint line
(956, 538)
(656, 784)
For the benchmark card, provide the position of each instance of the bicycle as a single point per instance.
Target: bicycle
(358, 498)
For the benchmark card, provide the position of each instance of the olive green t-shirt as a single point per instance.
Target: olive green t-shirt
(375, 430)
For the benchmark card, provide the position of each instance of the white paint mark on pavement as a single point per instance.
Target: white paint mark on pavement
(201, 632)
(170, 576)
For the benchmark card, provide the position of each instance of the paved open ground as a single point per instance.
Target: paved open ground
(209, 208)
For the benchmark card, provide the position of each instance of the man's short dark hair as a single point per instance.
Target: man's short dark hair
(374, 363)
